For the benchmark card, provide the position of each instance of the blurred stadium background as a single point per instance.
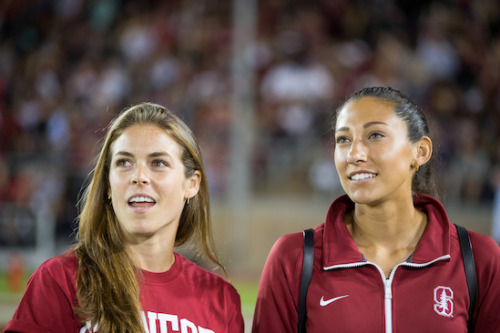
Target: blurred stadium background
(257, 81)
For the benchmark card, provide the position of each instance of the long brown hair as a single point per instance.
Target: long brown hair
(107, 281)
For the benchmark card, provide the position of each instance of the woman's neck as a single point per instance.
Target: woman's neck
(152, 256)
(391, 225)
(393, 232)
(386, 235)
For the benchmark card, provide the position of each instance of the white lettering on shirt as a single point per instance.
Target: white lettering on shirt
(164, 318)
(167, 323)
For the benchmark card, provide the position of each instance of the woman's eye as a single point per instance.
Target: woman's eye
(341, 139)
(376, 135)
(159, 163)
(123, 163)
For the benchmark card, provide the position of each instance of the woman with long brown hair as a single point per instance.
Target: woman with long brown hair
(148, 194)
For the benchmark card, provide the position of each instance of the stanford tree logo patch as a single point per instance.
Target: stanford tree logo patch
(443, 301)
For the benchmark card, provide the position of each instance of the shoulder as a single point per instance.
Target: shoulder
(204, 279)
(55, 276)
(59, 267)
(289, 242)
(486, 250)
(487, 263)
(49, 299)
(286, 250)
(66, 261)
(291, 246)
(286, 255)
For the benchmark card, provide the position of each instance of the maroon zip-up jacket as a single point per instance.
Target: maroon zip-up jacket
(426, 293)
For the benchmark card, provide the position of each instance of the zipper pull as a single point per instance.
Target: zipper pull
(388, 291)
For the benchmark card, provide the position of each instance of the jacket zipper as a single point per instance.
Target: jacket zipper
(388, 287)
(387, 283)
(388, 305)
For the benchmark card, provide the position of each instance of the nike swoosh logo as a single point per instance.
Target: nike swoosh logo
(322, 301)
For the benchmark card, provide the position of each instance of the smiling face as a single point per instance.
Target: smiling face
(373, 155)
(147, 182)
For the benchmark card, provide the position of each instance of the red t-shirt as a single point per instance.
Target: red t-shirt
(186, 298)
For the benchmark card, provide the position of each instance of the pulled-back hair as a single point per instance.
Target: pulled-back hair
(416, 122)
(107, 281)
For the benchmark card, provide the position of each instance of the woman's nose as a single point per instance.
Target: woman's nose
(141, 175)
(357, 152)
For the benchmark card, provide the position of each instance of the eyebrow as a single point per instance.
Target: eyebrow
(368, 124)
(155, 154)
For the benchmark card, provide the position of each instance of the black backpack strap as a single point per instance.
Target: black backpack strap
(305, 279)
(470, 270)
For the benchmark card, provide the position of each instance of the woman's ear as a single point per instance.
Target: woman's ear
(424, 150)
(193, 184)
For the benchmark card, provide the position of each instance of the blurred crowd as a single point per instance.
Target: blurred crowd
(68, 66)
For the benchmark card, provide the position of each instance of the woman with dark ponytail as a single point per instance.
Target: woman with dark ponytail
(148, 194)
(387, 259)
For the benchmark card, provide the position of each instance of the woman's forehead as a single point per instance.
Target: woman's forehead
(144, 138)
(367, 108)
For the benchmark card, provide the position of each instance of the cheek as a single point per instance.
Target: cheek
(400, 158)
(170, 185)
(115, 182)
(338, 158)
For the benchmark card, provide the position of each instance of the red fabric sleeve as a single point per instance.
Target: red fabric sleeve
(47, 304)
(235, 323)
(487, 262)
(277, 299)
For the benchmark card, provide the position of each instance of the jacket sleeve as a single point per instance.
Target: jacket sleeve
(487, 262)
(276, 309)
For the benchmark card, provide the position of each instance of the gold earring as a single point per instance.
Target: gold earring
(110, 199)
(187, 201)
(417, 167)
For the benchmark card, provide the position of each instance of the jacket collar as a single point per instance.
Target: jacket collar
(339, 247)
